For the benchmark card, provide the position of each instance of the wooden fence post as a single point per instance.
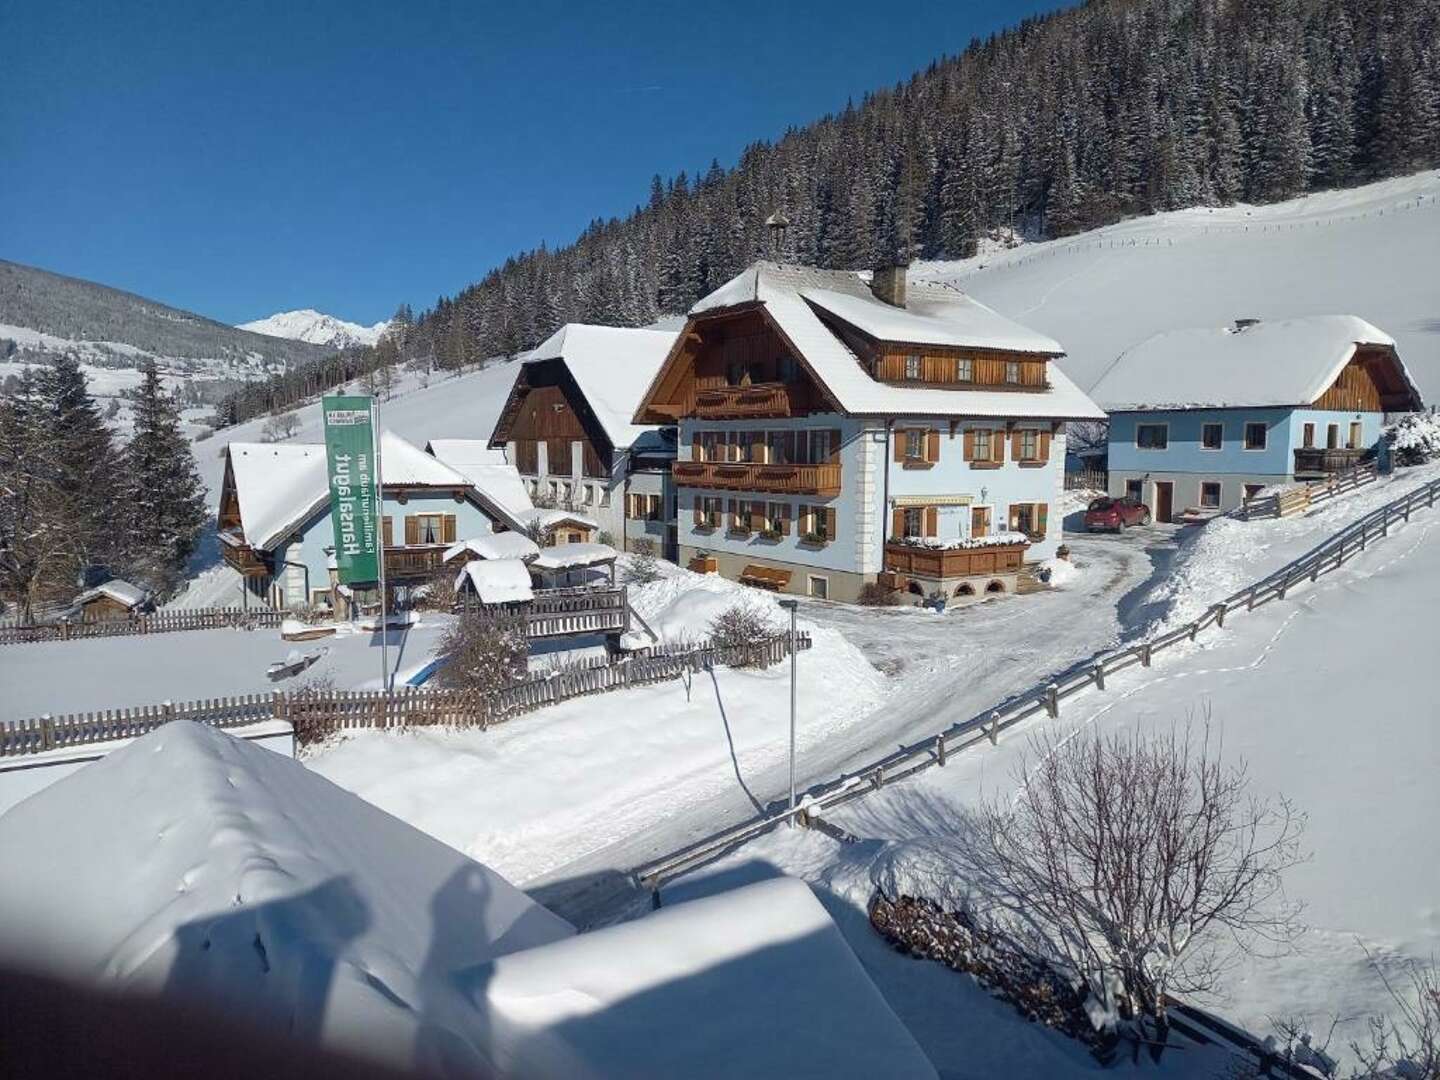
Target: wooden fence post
(1052, 701)
(1219, 610)
(995, 728)
(940, 750)
(1099, 676)
(47, 732)
(1145, 655)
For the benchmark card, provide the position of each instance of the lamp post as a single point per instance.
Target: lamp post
(790, 606)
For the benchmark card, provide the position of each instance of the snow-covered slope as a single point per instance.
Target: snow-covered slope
(232, 876)
(1371, 251)
(317, 328)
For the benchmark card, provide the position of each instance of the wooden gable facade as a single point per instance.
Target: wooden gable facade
(1372, 381)
(734, 364)
(546, 405)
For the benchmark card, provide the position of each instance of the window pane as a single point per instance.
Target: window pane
(1212, 436)
(1152, 436)
(1012, 371)
(1254, 436)
(1210, 494)
(982, 444)
(965, 370)
(912, 367)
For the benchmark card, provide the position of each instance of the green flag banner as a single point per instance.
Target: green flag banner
(354, 498)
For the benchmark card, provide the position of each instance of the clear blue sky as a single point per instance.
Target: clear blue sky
(246, 157)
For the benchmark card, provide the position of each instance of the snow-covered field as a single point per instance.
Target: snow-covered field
(1329, 698)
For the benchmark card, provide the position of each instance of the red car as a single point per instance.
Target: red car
(1115, 514)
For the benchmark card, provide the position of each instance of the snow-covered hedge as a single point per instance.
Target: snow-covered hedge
(1414, 439)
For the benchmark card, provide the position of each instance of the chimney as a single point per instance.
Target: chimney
(888, 284)
(1244, 324)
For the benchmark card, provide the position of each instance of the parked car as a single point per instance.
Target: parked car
(1115, 514)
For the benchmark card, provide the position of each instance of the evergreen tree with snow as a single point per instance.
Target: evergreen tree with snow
(162, 499)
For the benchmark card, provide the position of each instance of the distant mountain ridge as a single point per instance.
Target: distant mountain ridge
(317, 328)
(100, 321)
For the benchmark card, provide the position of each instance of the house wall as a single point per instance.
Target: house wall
(951, 476)
(652, 482)
(598, 497)
(317, 534)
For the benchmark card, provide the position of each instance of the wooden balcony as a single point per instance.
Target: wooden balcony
(411, 561)
(244, 559)
(1319, 461)
(768, 399)
(936, 563)
(821, 480)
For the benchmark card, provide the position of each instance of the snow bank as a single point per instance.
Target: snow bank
(1062, 571)
(681, 608)
(233, 876)
(753, 982)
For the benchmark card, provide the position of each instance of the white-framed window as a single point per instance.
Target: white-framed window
(1212, 436)
(983, 438)
(914, 444)
(818, 586)
(965, 369)
(1152, 436)
(1029, 444)
(1012, 371)
(912, 367)
(1210, 494)
(1255, 435)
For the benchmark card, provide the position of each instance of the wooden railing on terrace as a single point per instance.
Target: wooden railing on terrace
(317, 714)
(823, 479)
(1300, 498)
(556, 612)
(1314, 460)
(917, 561)
(412, 561)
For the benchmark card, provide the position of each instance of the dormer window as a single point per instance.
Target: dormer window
(1012, 371)
(965, 369)
(912, 367)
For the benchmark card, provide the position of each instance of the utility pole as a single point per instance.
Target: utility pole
(790, 606)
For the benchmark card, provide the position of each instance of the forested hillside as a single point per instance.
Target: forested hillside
(1066, 122)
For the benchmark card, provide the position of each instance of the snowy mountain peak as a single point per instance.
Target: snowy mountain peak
(316, 328)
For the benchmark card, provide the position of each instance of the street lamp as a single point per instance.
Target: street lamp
(790, 606)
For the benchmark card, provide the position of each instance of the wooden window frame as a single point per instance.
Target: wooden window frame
(1219, 442)
(1307, 435)
(965, 369)
(1355, 436)
(1332, 436)
(420, 519)
(1245, 442)
(989, 510)
(1032, 452)
(1012, 372)
(810, 580)
(1219, 494)
(913, 367)
(1163, 425)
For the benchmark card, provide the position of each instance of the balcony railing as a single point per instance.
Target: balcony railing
(559, 612)
(758, 399)
(755, 476)
(246, 560)
(923, 562)
(414, 561)
(1318, 460)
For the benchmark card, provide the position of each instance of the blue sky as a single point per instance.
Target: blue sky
(242, 158)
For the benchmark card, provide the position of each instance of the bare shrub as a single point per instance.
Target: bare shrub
(740, 627)
(1409, 1044)
(1142, 864)
(479, 652)
(643, 567)
(876, 595)
(280, 427)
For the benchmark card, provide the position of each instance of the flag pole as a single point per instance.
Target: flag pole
(380, 544)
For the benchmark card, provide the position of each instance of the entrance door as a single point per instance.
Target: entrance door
(1164, 500)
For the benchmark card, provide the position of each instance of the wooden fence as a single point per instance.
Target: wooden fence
(159, 622)
(1301, 497)
(316, 714)
(1087, 479)
(1045, 698)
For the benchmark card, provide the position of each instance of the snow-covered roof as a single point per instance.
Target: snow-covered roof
(487, 469)
(569, 556)
(793, 295)
(120, 591)
(497, 581)
(613, 366)
(757, 981)
(270, 876)
(280, 486)
(547, 518)
(506, 545)
(1272, 362)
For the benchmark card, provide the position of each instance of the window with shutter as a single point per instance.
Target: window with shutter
(980, 444)
(932, 521)
(967, 446)
(914, 522)
(997, 447)
(932, 446)
(829, 523)
(412, 529)
(914, 444)
(387, 531)
(448, 532)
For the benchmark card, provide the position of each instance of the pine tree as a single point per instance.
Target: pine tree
(162, 496)
(35, 511)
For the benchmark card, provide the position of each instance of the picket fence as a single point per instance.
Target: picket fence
(317, 714)
(159, 622)
(1043, 699)
(1298, 499)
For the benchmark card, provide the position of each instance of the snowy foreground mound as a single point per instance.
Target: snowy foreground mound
(220, 874)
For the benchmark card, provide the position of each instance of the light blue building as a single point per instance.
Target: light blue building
(274, 518)
(835, 433)
(1205, 418)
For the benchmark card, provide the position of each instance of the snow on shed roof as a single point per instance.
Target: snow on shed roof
(788, 292)
(567, 556)
(1273, 362)
(506, 545)
(497, 581)
(613, 366)
(757, 981)
(270, 875)
(487, 469)
(120, 591)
